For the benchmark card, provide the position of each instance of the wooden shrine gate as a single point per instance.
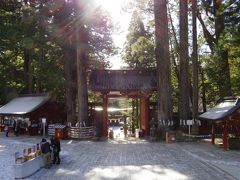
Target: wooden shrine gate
(124, 83)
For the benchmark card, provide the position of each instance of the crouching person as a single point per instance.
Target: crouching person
(45, 148)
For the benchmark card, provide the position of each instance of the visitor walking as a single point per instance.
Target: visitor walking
(15, 127)
(6, 130)
(56, 150)
(51, 147)
(45, 148)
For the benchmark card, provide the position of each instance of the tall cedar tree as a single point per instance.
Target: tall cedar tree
(184, 110)
(194, 61)
(82, 51)
(163, 63)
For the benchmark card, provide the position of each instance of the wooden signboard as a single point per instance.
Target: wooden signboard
(122, 80)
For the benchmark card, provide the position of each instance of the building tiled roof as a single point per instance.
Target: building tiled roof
(24, 104)
(222, 110)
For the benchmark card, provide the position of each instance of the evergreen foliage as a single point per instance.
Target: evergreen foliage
(38, 47)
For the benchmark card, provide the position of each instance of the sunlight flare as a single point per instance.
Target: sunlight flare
(134, 172)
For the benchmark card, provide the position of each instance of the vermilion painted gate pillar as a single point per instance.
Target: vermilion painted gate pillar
(144, 114)
(105, 116)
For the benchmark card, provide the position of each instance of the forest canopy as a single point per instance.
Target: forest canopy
(46, 45)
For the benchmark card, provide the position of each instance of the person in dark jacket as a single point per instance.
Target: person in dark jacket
(45, 148)
(15, 127)
(6, 130)
(51, 147)
(56, 150)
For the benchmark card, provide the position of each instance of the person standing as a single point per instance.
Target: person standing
(56, 151)
(15, 127)
(51, 147)
(18, 127)
(6, 130)
(45, 148)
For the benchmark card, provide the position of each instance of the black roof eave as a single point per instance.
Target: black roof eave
(222, 118)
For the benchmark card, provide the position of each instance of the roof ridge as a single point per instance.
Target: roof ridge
(34, 95)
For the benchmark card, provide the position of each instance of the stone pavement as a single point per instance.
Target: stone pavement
(127, 160)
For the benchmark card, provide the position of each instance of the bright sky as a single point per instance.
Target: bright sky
(123, 19)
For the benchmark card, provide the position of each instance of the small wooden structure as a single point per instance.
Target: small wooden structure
(81, 132)
(225, 115)
(58, 130)
(29, 110)
(28, 162)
